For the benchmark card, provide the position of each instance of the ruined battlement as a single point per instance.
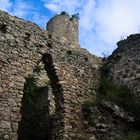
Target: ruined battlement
(66, 27)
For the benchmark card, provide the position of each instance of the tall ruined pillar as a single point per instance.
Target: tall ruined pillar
(65, 27)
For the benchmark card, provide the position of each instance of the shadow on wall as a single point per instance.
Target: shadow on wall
(56, 86)
(36, 120)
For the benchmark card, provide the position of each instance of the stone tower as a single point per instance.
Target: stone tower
(66, 27)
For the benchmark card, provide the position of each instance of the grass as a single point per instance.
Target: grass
(108, 91)
(120, 95)
(89, 103)
(131, 136)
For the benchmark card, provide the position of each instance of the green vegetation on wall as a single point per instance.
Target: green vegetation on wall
(90, 103)
(131, 136)
(120, 95)
(38, 69)
(30, 89)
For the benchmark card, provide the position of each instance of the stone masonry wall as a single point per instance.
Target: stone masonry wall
(107, 120)
(66, 28)
(124, 63)
(73, 72)
(76, 72)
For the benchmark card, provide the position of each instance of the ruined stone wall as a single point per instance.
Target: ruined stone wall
(107, 119)
(73, 74)
(78, 75)
(124, 63)
(66, 28)
(20, 42)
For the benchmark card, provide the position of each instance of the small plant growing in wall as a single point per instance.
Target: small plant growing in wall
(38, 69)
(75, 16)
(30, 88)
(120, 95)
(64, 13)
(131, 136)
(89, 103)
(47, 82)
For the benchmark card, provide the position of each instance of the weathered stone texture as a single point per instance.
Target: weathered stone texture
(69, 75)
(124, 63)
(66, 28)
(107, 121)
(74, 74)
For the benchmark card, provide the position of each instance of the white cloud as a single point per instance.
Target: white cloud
(5, 5)
(87, 21)
(57, 6)
(21, 8)
(52, 6)
(119, 18)
(102, 23)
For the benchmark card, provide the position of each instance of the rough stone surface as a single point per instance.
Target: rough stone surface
(73, 72)
(124, 63)
(66, 76)
(107, 121)
(66, 28)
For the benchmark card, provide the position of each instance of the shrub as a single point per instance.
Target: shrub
(64, 13)
(75, 16)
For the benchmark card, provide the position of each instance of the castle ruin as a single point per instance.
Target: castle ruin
(71, 73)
(66, 28)
(45, 78)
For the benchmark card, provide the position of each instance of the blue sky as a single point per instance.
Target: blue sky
(102, 22)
